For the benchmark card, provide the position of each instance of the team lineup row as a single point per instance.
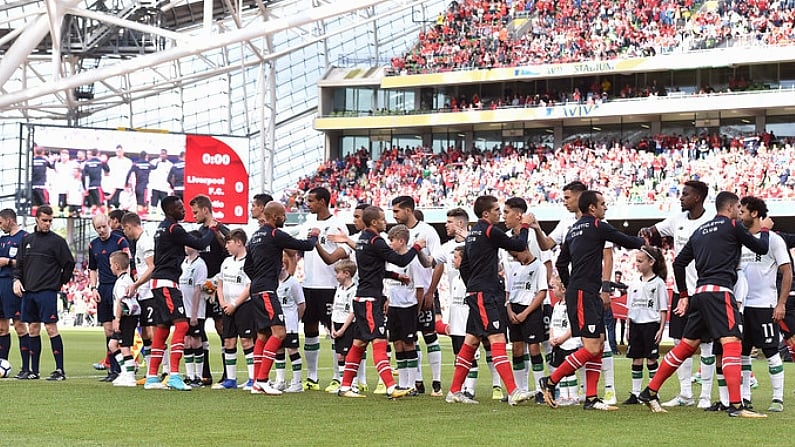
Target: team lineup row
(168, 289)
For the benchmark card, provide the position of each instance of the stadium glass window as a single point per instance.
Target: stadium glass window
(352, 143)
(686, 128)
(787, 75)
(685, 80)
(540, 137)
(762, 76)
(406, 141)
(441, 141)
(737, 127)
(783, 126)
(488, 140)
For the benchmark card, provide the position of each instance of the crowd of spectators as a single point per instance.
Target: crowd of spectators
(477, 34)
(649, 171)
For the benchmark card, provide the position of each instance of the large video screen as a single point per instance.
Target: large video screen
(80, 171)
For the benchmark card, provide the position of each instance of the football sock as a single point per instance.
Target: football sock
(311, 353)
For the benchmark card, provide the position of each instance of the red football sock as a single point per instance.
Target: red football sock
(503, 366)
(352, 361)
(463, 363)
(593, 370)
(268, 356)
(671, 362)
(381, 362)
(177, 345)
(732, 370)
(158, 349)
(259, 346)
(573, 362)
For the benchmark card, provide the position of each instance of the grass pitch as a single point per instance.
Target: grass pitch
(85, 412)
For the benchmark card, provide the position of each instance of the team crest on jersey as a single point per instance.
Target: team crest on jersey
(181, 309)
(591, 328)
(281, 317)
(496, 324)
(381, 330)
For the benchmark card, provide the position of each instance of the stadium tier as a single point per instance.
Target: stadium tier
(630, 97)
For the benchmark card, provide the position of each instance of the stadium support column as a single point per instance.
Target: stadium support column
(558, 136)
(761, 124)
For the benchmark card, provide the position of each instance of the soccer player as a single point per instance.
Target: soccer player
(215, 253)
(368, 305)
(92, 171)
(319, 281)
(680, 227)
(158, 179)
(263, 263)
(571, 198)
(488, 318)
(118, 168)
(715, 246)
(238, 321)
(144, 265)
(10, 305)
(787, 324)
(526, 284)
(126, 310)
(583, 249)
(101, 280)
(402, 314)
(140, 169)
(427, 281)
(293, 306)
(194, 274)
(765, 303)
(43, 264)
(176, 176)
(38, 177)
(647, 302)
(170, 241)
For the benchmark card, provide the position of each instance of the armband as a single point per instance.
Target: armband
(417, 248)
(683, 294)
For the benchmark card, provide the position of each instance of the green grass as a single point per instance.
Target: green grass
(85, 412)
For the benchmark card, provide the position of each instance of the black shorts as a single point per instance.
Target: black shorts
(425, 321)
(787, 325)
(197, 331)
(402, 323)
(168, 305)
(157, 196)
(546, 310)
(713, 315)
(140, 194)
(676, 324)
(759, 330)
(370, 321)
(586, 313)
(559, 355)
(40, 196)
(241, 323)
(318, 306)
(126, 334)
(487, 314)
(105, 311)
(641, 341)
(531, 330)
(291, 340)
(267, 311)
(343, 344)
(147, 317)
(214, 310)
(95, 197)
